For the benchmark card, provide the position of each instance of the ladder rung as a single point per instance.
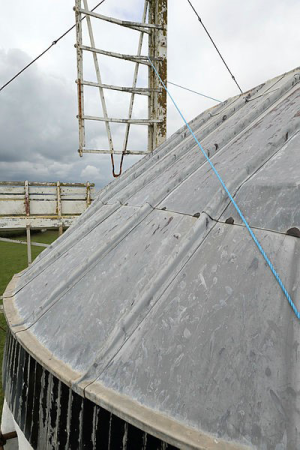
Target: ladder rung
(136, 59)
(125, 23)
(115, 152)
(138, 90)
(131, 121)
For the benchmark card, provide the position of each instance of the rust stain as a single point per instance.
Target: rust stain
(155, 230)
(116, 175)
(169, 221)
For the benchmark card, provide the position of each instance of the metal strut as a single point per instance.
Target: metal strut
(6, 437)
(156, 30)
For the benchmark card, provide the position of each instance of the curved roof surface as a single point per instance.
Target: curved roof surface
(151, 298)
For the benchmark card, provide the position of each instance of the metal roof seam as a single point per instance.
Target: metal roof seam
(253, 117)
(81, 271)
(217, 154)
(169, 144)
(183, 316)
(116, 186)
(51, 256)
(158, 161)
(164, 282)
(262, 251)
(176, 212)
(88, 213)
(274, 84)
(259, 168)
(252, 226)
(183, 153)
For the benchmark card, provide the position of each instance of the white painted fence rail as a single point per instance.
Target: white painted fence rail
(15, 241)
(42, 205)
(34, 205)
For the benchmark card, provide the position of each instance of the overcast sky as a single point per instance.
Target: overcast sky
(259, 39)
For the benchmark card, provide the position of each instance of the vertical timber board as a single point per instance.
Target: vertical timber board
(58, 200)
(88, 194)
(26, 199)
(158, 14)
(58, 208)
(28, 236)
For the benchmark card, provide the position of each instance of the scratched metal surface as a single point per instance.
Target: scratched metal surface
(178, 311)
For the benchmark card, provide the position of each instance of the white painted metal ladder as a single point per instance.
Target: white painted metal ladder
(154, 23)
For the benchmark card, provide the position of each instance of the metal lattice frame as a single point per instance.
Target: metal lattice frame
(154, 23)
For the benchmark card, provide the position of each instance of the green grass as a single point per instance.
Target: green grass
(13, 259)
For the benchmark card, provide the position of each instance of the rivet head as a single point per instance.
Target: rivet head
(294, 232)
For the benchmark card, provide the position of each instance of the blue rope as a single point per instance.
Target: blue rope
(293, 306)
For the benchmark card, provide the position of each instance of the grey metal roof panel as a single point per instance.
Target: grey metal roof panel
(238, 161)
(81, 244)
(184, 158)
(214, 352)
(181, 313)
(109, 293)
(270, 198)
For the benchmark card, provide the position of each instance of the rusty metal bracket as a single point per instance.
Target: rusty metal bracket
(6, 437)
(116, 175)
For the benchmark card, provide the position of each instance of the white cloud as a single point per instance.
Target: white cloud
(91, 173)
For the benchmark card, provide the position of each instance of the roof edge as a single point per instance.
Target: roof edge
(148, 420)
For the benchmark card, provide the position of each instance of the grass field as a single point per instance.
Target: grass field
(13, 259)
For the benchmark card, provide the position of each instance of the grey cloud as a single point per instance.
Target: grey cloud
(37, 114)
(38, 127)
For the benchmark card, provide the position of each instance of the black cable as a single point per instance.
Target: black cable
(232, 76)
(47, 49)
